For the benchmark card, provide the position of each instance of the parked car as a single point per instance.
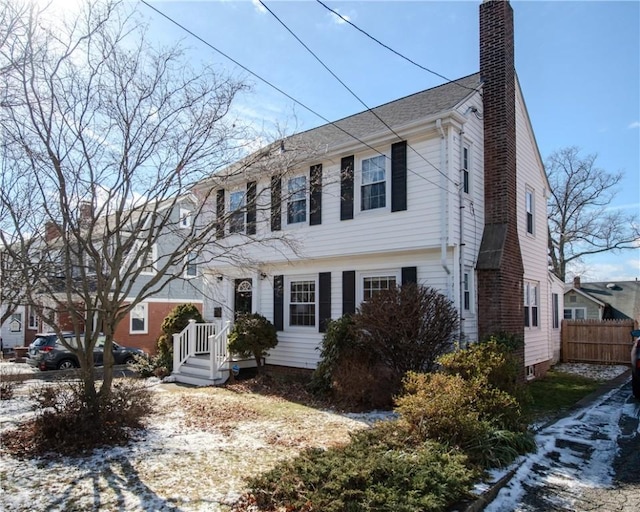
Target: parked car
(635, 363)
(51, 354)
(42, 340)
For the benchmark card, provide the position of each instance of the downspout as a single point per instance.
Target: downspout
(461, 239)
(444, 189)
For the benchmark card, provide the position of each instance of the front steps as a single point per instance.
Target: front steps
(196, 371)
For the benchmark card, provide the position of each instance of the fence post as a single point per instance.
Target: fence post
(176, 353)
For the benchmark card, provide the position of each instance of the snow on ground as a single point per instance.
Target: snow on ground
(183, 461)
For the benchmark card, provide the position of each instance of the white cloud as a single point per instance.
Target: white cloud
(635, 124)
(259, 7)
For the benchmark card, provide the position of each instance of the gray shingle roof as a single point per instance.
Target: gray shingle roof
(622, 296)
(395, 114)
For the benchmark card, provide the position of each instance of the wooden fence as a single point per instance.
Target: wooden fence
(597, 341)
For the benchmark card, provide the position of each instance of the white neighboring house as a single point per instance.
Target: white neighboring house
(416, 190)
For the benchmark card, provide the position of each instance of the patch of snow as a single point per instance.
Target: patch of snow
(600, 372)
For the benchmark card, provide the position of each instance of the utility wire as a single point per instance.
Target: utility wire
(369, 109)
(346, 20)
(278, 89)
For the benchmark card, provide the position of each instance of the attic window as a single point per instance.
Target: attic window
(185, 218)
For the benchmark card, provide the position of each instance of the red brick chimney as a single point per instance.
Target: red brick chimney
(500, 268)
(51, 231)
(576, 282)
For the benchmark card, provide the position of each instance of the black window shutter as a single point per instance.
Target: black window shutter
(278, 302)
(220, 214)
(399, 176)
(346, 188)
(324, 283)
(276, 203)
(315, 195)
(348, 292)
(409, 275)
(251, 208)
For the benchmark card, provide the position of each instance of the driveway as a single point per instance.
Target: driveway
(588, 461)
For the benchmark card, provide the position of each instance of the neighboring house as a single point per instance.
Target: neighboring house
(617, 300)
(444, 187)
(142, 326)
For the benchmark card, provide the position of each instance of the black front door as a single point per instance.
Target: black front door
(243, 294)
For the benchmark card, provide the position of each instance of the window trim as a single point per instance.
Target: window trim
(573, 315)
(191, 260)
(465, 158)
(287, 302)
(154, 257)
(185, 218)
(145, 309)
(33, 326)
(387, 183)
(305, 199)
(466, 291)
(367, 274)
(241, 210)
(530, 210)
(531, 321)
(16, 318)
(555, 311)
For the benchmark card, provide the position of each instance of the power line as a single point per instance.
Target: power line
(346, 20)
(284, 93)
(369, 109)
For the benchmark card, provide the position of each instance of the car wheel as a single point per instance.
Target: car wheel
(635, 386)
(66, 364)
(129, 360)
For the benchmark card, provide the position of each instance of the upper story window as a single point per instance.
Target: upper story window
(185, 218)
(374, 183)
(466, 155)
(191, 267)
(148, 260)
(16, 322)
(236, 208)
(297, 200)
(531, 305)
(302, 303)
(530, 208)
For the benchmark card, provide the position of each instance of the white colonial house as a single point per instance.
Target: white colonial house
(444, 187)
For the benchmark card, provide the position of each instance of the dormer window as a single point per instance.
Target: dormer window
(185, 218)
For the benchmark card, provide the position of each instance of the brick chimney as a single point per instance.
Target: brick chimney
(576, 282)
(500, 268)
(51, 231)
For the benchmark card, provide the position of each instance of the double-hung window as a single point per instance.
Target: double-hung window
(236, 207)
(466, 292)
(191, 266)
(139, 323)
(33, 319)
(575, 313)
(302, 303)
(371, 286)
(148, 259)
(529, 206)
(374, 183)
(531, 305)
(465, 169)
(185, 218)
(297, 200)
(555, 310)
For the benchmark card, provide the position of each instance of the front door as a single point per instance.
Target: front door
(242, 297)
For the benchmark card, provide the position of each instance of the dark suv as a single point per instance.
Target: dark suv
(47, 353)
(635, 363)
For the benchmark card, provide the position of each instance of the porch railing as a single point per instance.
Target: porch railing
(194, 339)
(219, 354)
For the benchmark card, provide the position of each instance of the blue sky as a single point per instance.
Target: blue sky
(578, 65)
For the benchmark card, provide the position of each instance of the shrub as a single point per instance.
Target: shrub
(365, 356)
(492, 360)
(253, 335)
(173, 323)
(66, 424)
(369, 474)
(483, 421)
(7, 389)
(407, 327)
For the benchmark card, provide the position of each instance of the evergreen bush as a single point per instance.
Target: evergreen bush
(252, 336)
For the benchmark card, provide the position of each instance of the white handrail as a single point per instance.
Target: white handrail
(194, 339)
(220, 351)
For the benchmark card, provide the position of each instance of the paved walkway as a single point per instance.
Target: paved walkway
(588, 461)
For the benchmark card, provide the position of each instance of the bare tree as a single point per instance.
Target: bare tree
(581, 220)
(104, 140)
